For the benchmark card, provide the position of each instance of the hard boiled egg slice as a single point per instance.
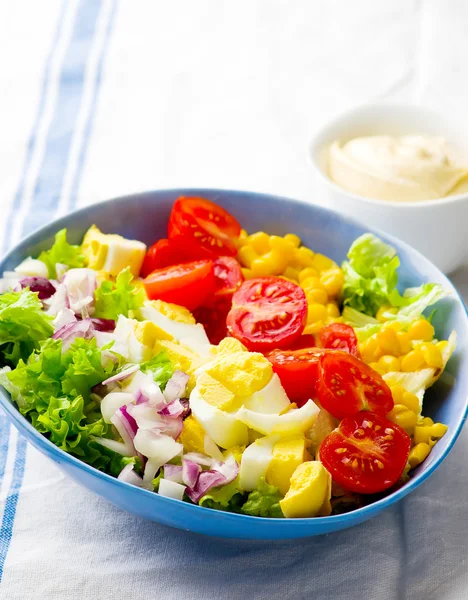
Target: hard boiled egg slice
(223, 427)
(295, 421)
(255, 461)
(271, 399)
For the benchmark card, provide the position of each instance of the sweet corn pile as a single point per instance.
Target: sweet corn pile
(262, 255)
(394, 350)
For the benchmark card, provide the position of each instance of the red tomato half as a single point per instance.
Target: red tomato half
(267, 313)
(346, 386)
(206, 224)
(213, 318)
(228, 276)
(338, 336)
(188, 284)
(366, 454)
(298, 372)
(165, 253)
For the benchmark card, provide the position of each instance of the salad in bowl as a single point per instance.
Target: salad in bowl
(238, 371)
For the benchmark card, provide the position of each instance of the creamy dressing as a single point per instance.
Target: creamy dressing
(401, 169)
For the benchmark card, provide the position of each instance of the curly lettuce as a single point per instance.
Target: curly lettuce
(119, 298)
(23, 325)
(263, 502)
(62, 252)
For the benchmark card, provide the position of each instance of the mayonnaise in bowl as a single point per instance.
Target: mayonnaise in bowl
(408, 168)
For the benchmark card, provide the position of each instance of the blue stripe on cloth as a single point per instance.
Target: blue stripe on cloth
(4, 439)
(90, 121)
(53, 167)
(33, 136)
(47, 191)
(9, 513)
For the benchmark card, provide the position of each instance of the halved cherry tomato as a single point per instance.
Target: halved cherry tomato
(213, 318)
(338, 336)
(346, 386)
(267, 313)
(188, 284)
(206, 224)
(366, 454)
(165, 253)
(228, 276)
(307, 340)
(298, 372)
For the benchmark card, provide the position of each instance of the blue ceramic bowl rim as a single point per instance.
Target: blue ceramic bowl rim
(344, 519)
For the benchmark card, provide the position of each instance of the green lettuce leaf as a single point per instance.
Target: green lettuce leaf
(371, 278)
(54, 390)
(23, 325)
(227, 497)
(119, 298)
(263, 502)
(160, 368)
(62, 252)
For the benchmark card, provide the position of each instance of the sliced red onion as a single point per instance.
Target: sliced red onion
(113, 445)
(64, 317)
(151, 468)
(171, 489)
(7, 285)
(205, 482)
(200, 459)
(212, 449)
(175, 387)
(111, 402)
(190, 472)
(146, 416)
(107, 325)
(174, 409)
(187, 410)
(58, 301)
(80, 285)
(172, 427)
(151, 391)
(103, 338)
(128, 475)
(125, 431)
(42, 286)
(132, 424)
(173, 473)
(229, 469)
(122, 375)
(72, 331)
(61, 270)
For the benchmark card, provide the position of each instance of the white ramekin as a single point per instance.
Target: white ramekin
(437, 228)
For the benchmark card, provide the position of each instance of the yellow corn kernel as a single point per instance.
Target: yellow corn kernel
(279, 243)
(308, 272)
(388, 341)
(413, 361)
(385, 309)
(332, 310)
(427, 421)
(398, 392)
(260, 242)
(242, 237)
(429, 434)
(316, 312)
(411, 401)
(293, 239)
(377, 367)
(418, 454)
(305, 257)
(432, 356)
(404, 417)
(370, 350)
(389, 363)
(332, 280)
(322, 262)
(328, 320)
(271, 263)
(311, 283)
(247, 255)
(442, 345)
(404, 342)
(421, 330)
(314, 327)
(395, 325)
(291, 273)
(317, 296)
(247, 273)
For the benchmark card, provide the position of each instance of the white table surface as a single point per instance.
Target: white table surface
(149, 94)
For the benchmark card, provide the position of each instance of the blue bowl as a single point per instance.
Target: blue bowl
(144, 217)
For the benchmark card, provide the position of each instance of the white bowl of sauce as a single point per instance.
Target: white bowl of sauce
(402, 169)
